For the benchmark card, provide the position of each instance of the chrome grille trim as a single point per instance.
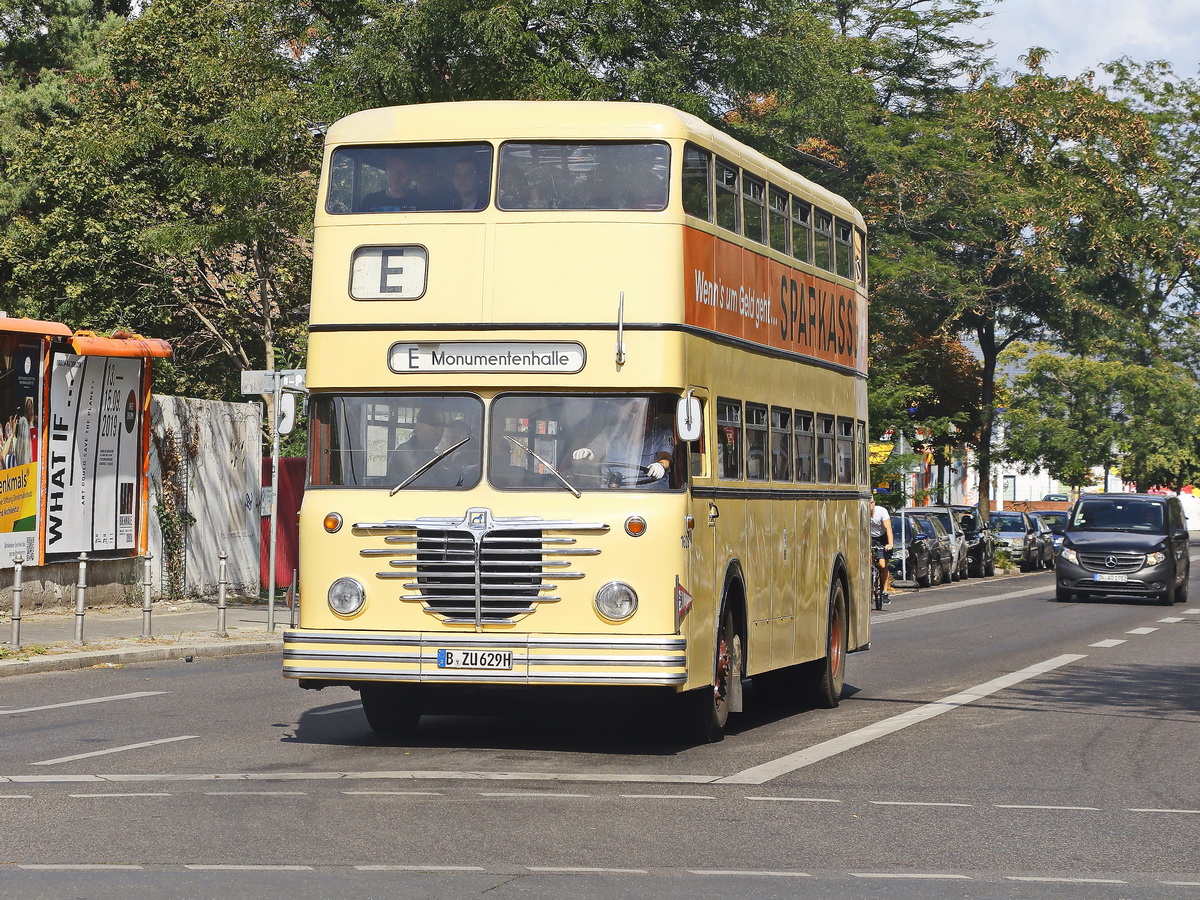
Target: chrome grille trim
(480, 569)
(1124, 562)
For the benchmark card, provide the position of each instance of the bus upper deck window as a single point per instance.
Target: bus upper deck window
(570, 175)
(410, 178)
(697, 183)
(727, 195)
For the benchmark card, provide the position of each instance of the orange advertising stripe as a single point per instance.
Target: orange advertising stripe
(735, 291)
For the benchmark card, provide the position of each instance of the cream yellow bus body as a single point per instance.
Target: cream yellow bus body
(526, 325)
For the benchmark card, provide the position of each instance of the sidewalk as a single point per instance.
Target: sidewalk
(113, 635)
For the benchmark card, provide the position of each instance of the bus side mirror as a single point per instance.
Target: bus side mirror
(688, 423)
(287, 412)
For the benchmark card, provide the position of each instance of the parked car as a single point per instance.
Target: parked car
(1129, 545)
(1056, 521)
(981, 543)
(922, 550)
(1060, 498)
(958, 538)
(1045, 538)
(1016, 533)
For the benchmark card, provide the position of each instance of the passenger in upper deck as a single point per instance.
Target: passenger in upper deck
(470, 184)
(403, 193)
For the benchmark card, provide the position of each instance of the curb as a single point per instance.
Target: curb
(86, 659)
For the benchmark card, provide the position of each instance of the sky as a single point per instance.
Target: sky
(1086, 33)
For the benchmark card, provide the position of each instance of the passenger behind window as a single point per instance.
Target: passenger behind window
(470, 183)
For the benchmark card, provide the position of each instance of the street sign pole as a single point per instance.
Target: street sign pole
(273, 381)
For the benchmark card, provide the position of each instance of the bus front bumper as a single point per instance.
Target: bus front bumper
(325, 658)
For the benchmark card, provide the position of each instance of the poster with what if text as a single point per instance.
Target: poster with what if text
(93, 453)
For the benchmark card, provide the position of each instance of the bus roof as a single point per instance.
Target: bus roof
(566, 120)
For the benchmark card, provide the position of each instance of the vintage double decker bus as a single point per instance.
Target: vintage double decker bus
(587, 407)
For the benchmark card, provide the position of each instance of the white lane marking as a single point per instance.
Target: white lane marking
(587, 869)
(918, 875)
(1189, 812)
(381, 868)
(958, 604)
(255, 794)
(29, 709)
(63, 759)
(1111, 642)
(16, 796)
(1191, 612)
(159, 794)
(1171, 620)
(43, 867)
(818, 752)
(1182, 883)
(797, 799)
(1065, 880)
(1033, 806)
(1142, 631)
(533, 794)
(666, 797)
(917, 803)
(218, 867)
(353, 705)
(438, 775)
(392, 793)
(748, 872)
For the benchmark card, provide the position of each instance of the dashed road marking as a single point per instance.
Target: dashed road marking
(749, 873)
(924, 876)
(1040, 878)
(134, 696)
(63, 759)
(1142, 631)
(1111, 642)
(818, 752)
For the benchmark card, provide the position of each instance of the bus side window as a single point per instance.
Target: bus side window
(697, 183)
(729, 438)
(804, 446)
(728, 194)
(757, 438)
(845, 451)
(781, 444)
(823, 244)
(825, 449)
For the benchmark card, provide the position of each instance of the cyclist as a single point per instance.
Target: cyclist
(881, 544)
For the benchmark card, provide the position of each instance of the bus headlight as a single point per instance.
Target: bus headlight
(616, 601)
(346, 596)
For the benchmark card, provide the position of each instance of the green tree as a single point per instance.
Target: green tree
(1002, 214)
(176, 197)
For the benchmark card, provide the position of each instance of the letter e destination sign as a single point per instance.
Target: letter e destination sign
(425, 357)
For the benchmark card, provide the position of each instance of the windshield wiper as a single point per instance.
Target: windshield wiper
(426, 467)
(553, 471)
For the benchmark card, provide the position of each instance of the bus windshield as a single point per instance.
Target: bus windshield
(410, 178)
(569, 175)
(383, 440)
(595, 443)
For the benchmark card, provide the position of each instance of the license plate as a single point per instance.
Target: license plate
(1106, 577)
(474, 659)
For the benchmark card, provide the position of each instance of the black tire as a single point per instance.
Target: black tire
(936, 572)
(1062, 595)
(990, 569)
(1167, 597)
(927, 579)
(1181, 592)
(825, 678)
(392, 710)
(706, 710)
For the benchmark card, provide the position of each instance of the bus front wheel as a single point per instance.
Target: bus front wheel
(824, 678)
(392, 709)
(706, 710)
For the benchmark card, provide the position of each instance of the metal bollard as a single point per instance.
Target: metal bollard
(80, 598)
(221, 584)
(18, 564)
(147, 584)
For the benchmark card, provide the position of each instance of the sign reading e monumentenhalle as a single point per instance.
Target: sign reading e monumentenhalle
(423, 357)
(93, 452)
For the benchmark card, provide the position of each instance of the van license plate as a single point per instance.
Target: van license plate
(1120, 579)
(474, 659)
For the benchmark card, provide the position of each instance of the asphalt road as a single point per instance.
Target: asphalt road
(993, 744)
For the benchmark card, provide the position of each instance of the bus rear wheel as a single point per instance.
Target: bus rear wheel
(825, 678)
(706, 711)
(392, 709)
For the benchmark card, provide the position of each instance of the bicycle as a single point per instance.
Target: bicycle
(876, 586)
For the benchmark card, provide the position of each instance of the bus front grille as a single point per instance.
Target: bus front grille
(481, 569)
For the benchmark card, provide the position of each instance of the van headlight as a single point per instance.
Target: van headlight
(1153, 559)
(616, 601)
(346, 596)
(1069, 555)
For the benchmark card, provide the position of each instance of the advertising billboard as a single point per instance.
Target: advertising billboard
(21, 358)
